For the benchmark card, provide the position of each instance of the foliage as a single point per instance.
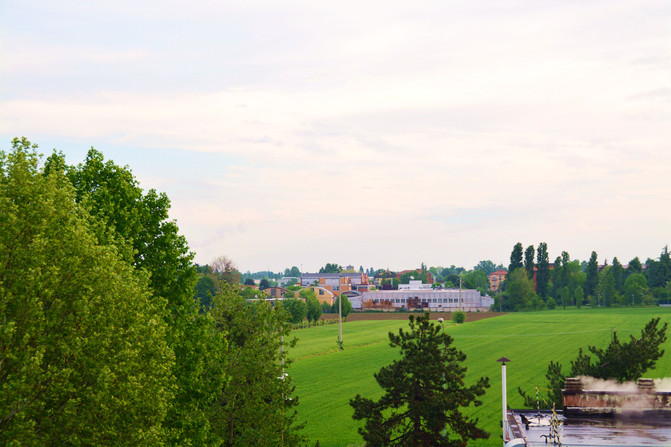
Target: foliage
(138, 225)
(424, 393)
(293, 272)
(592, 280)
(226, 270)
(136, 222)
(543, 273)
(415, 275)
(519, 294)
(83, 356)
(264, 284)
(636, 290)
(205, 290)
(618, 275)
(476, 280)
(314, 308)
(516, 258)
(618, 361)
(459, 317)
(296, 308)
(256, 405)
(487, 266)
(330, 268)
(529, 254)
(346, 306)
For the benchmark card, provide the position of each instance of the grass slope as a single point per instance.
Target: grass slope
(326, 378)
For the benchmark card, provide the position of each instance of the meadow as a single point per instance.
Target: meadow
(327, 378)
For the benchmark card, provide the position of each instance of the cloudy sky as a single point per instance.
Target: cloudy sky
(382, 134)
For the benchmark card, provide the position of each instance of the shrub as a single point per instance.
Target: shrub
(551, 303)
(459, 317)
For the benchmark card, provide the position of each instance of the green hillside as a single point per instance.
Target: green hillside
(326, 379)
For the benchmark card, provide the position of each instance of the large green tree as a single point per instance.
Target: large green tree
(137, 223)
(424, 393)
(256, 405)
(83, 354)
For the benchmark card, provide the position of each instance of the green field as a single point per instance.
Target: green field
(326, 379)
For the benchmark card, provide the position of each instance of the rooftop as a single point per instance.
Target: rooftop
(589, 431)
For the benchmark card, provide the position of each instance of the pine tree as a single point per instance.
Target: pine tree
(592, 280)
(516, 258)
(424, 393)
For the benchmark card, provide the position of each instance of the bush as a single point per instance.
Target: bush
(551, 303)
(459, 317)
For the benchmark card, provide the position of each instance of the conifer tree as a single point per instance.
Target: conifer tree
(424, 393)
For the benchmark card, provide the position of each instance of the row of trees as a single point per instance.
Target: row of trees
(537, 284)
(101, 342)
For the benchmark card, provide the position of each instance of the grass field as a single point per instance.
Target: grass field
(326, 378)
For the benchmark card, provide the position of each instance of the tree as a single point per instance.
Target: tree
(424, 393)
(636, 290)
(346, 306)
(476, 280)
(296, 308)
(486, 266)
(634, 266)
(415, 275)
(529, 261)
(516, 258)
(314, 308)
(543, 272)
(83, 355)
(519, 293)
(249, 282)
(137, 224)
(256, 406)
(606, 291)
(205, 291)
(226, 270)
(330, 268)
(619, 361)
(618, 275)
(592, 280)
(264, 284)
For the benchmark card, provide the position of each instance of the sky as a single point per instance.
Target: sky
(377, 134)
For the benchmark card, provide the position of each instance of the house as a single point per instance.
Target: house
(496, 279)
(336, 282)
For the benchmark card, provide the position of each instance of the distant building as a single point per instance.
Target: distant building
(446, 300)
(337, 282)
(496, 279)
(414, 285)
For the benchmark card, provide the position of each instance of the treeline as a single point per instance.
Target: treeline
(533, 283)
(101, 341)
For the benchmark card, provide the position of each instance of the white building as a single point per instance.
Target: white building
(445, 300)
(415, 284)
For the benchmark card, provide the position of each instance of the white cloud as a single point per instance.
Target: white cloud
(399, 134)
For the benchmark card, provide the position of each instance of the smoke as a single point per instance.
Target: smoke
(626, 397)
(594, 384)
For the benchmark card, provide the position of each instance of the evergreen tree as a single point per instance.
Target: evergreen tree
(424, 393)
(556, 278)
(618, 275)
(592, 280)
(516, 258)
(634, 266)
(543, 272)
(529, 261)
